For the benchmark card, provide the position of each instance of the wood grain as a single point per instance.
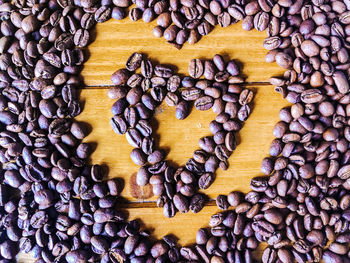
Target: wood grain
(116, 40)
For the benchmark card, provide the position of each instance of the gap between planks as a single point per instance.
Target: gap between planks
(107, 86)
(150, 204)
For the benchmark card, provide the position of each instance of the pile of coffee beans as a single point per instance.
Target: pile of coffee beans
(230, 238)
(58, 208)
(53, 205)
(138, 95)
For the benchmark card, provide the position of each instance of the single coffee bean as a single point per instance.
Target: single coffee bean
(182, 110)
(134, 62)
(138, 157)
(197, 203)
(120, 77)
(221, 202)
(204, 103)
(118, 125)
(195, 68)
(117, 92)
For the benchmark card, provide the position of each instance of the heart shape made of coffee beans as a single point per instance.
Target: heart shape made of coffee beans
(138, 96)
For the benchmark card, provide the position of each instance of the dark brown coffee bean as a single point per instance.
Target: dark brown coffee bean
(263, 228)
(310, 48)
(138, 157)
(195, 68)
(163, 71)
(118, 125)
(76, 256)
(272, 43)
(205, 180)
(204, 28)
(169, 209)
(221, 202)
(340, 82)
(39, 219)
(29, 24)
(204, 103)
(134, 61)
(81, 38)
(261, 21)
(197, 203)
(158, 249)
(120, 77)
(182, 110)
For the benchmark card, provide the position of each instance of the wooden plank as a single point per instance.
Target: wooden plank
(181, 138)
(116, 40)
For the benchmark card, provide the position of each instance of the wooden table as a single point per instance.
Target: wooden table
(115, 41)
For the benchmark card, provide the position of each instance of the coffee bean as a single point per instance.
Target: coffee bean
(197, 203)
(118, 125)
(78, 255)
(204, 103)
(29, 24)
(181, 203)
(169, 209)
(263, 228)
(39, 219)
(340, 82)
(120, 77)
(158, 249)
(205, 180)
(221, 202)
(134, 62)
(261, 21)
(283, 60)
(181, 111)
(195, 68)
(138, 157)
(310, 48)
(329, 256)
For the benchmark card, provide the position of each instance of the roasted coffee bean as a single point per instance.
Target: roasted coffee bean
(205, 180)
(234, 198)
(134, 62)
(221, 202)
(39, 219)
(196, 68)
(197, 203)
(191, 94)
(118, 125)
(138, 157)
(182, 110)
(169, 209)
(120, 77)
(181, 203)
(204, 103)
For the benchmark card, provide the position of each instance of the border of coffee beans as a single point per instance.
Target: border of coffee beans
(58, 208)
(138, 95)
